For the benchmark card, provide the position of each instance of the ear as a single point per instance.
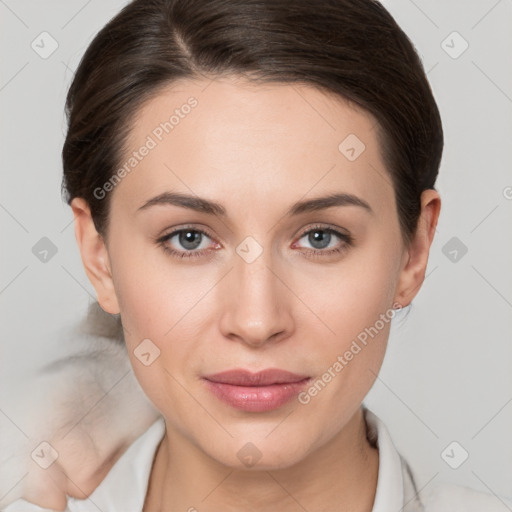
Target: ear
(412, 274)
(94, 256)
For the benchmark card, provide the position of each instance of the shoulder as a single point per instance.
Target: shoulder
(21, 505)
(448, 497)
(125, 486)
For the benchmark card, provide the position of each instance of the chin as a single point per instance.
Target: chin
(258, 454)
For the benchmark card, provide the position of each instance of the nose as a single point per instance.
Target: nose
(257, 309)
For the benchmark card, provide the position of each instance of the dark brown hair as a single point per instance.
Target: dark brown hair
(352, 48)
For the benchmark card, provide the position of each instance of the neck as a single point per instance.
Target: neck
(340, 475)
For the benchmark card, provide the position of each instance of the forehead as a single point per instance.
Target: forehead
(230, 138)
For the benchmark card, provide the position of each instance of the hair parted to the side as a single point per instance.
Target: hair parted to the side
(351, 48)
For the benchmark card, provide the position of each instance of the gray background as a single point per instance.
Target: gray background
(447, 374)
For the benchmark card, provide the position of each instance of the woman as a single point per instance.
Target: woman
(253, 191)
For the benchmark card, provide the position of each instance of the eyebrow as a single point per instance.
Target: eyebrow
(211, 207)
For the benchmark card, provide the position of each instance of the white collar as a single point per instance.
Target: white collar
(125, 486)
(396, 488)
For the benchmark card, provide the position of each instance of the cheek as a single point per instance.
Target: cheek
(356, 303)
(357, 306)
(353, 295)
(152, 291)
(163, 307)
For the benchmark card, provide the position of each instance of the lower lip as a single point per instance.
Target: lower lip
(256, 398)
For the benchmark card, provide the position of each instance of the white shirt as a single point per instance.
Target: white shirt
(125, 486)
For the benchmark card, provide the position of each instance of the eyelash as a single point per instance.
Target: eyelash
(315, 253)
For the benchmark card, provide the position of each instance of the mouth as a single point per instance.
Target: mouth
(263, 391)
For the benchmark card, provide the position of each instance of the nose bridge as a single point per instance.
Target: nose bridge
(258, 307)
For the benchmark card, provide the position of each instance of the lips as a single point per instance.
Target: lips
(256, 392)
(263, 378)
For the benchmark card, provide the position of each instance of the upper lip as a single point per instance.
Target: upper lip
(240, 377)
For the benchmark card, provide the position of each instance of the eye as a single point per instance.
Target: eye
(324, 242)
(189, 242)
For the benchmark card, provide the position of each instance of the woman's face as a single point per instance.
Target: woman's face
(278, 280)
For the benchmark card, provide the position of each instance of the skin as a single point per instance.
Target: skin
(256, 150)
